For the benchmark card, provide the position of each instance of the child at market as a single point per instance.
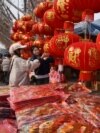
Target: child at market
(20, 68)
(41, 74)
(56, 75)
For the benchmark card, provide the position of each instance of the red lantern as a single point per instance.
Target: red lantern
(26, 53)
(66, 11)
(19, 24)
(88, 15)
(26, 17)
(86, 76)
(41, 8)
(87, 4)
(83, 56)
(61, 41)
(52, 20)
(45, 29)
(46, 47)
(69, 26)
(39, 42)
(35, 29)
(98, 42)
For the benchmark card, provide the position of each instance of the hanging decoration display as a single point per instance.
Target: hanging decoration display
(60, 41)
(83, 56)
(66, 11)
(52, 20)
(22, 31)
(87, 4)
(98, 42)
(41, 8)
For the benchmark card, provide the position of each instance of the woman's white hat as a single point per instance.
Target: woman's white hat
(16, 46)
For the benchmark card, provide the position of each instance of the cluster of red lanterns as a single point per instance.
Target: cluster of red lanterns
(22, 31)
(42, 28)
(56, 19)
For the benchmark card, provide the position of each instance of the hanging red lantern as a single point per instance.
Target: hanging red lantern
(18, 24)
(41, 8)
(46, 47)
(61, 41)
(26, 53)
(27, 17)
(98, 42)
(86, 76)
(35, 29)
(40, 43)
(66, 11)
(83, 56)
(45, 29)
(87, 4)
(88, 15)
(52, 20)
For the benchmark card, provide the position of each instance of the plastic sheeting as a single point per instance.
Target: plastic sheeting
(92, 28)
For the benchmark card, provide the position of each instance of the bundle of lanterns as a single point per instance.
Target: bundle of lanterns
(53, 30)
(22, 31)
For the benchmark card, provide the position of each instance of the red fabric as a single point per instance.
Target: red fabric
(8, 126)
(83, 56)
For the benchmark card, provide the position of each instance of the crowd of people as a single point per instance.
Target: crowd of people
(16, 71)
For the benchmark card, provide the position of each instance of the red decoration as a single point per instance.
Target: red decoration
(41, 8)
(60, 42)
(35, 29)
(98, 42)
(87, 4)
(88, 15)
(83, 56)
(46, 47)
(26, 17)
(86, 76)
(52, 20)
(45, 29)
(25, 53)
(39, 42)
(66, 11)
(69, 26)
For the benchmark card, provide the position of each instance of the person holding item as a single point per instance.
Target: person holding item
(41, 74)
(20, 68)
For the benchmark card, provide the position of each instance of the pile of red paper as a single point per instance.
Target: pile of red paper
(48, 109)
(33, 96)
(8, 126)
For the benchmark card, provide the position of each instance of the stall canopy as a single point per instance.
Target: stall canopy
(93, 28)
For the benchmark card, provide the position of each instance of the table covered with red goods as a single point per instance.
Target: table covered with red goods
(52, 108)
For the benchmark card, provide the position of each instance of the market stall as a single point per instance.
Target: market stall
(66, 105)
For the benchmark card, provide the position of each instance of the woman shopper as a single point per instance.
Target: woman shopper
(41, 74)
(20, 68)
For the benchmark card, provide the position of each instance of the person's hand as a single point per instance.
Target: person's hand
(45, 55)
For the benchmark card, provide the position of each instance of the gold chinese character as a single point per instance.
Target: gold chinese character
(73, 55)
